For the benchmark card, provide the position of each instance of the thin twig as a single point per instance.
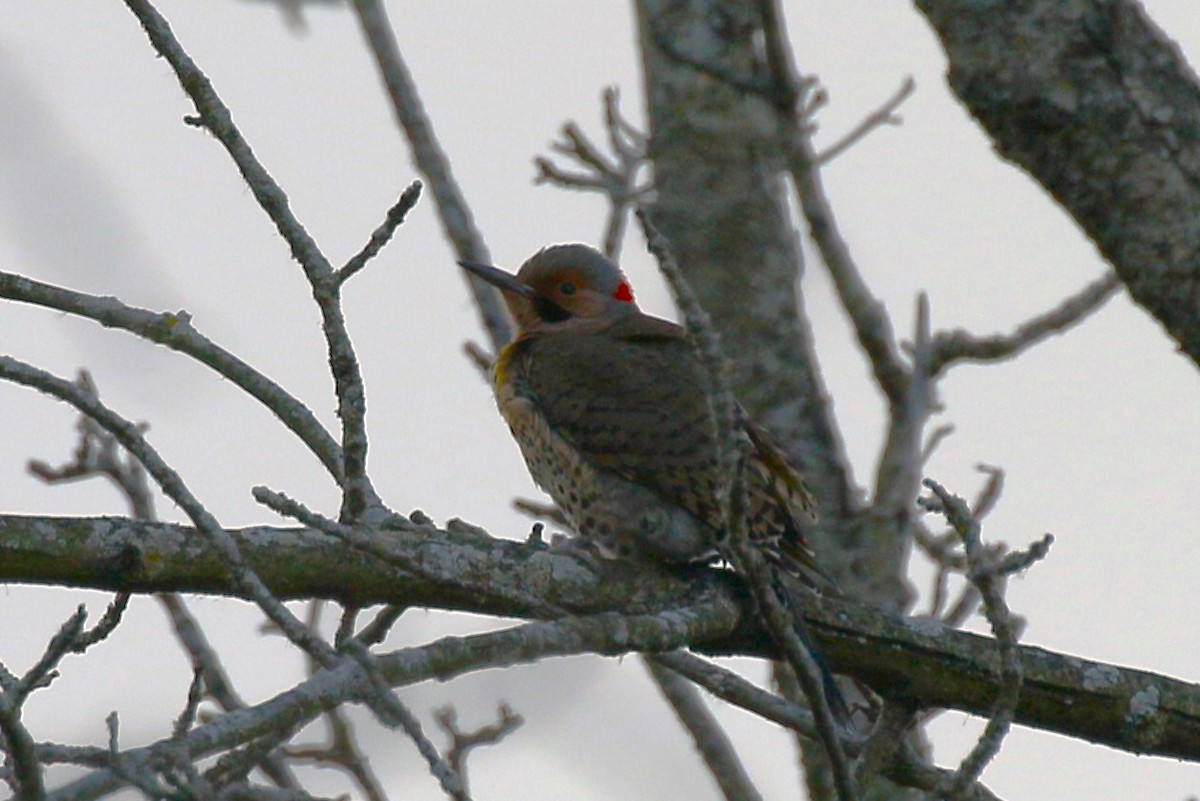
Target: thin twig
(732, 688)
(433, 164)
(390, 711)
(175, 331)
(358, 494)
(616, 177)
(381, 235)
(986, 580)
(99, 454)
(955, 346)
(884, 115)
(132, 439)
(868, 315)
(380, 547)
(462, 743)
(610, 634)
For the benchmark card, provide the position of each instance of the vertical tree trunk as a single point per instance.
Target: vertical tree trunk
(721, 200)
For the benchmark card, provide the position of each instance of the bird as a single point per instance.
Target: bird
(609, 409)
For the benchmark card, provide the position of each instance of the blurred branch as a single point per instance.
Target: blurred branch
(615, 177)
(433, 164)
(462, 743)
(955, 346)
(98, 454)
(884, 115)
(714, 745)
(541, 511)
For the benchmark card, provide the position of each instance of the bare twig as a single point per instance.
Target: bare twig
(714, 745)
(732, 688)
(375, 631)
(358, 494)
(935, 438)
(381, 547)
(452, 207)
(98, 454)
(868, 315)
(955, 346)
(174, 330)
(986, 579)
(609, 633)
(462, 743)
(944, 551)
(342, 750)
(616, 178)
(132, 439)
(390, 711)
(884, 115)
(381, 235)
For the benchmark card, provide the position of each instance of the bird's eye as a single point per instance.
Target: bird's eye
(567, 287)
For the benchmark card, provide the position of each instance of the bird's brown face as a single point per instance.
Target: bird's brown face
(565, 287)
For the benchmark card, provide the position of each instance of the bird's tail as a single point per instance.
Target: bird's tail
(829, 687)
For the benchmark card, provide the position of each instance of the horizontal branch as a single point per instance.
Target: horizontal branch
(919, 662)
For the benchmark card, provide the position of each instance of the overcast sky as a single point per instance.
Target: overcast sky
(104, 189)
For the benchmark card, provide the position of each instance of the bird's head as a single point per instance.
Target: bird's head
(562, 287)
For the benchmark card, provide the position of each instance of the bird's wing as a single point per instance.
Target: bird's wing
(631, 399)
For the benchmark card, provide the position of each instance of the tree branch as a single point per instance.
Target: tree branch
(954, 346)
(1098, 105)
(710, 739)
(918, 661)
(608, 634)
(175, 330)
(431, 160)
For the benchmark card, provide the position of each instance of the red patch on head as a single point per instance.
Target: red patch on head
(624, 293)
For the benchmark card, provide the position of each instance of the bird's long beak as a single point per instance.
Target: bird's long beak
(499, 278)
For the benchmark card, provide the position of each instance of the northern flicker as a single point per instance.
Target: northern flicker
(609, 409)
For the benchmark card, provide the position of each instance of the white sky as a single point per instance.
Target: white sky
(102, 188)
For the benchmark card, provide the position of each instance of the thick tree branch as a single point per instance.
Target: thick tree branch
(917, 661)
(1099, 106)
